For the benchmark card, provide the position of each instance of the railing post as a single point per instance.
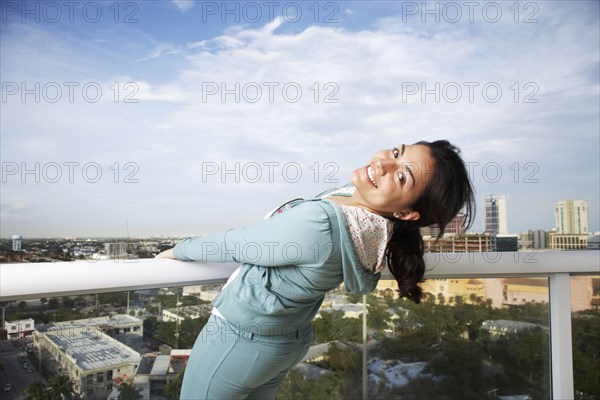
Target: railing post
(365, 373)
(561, 337)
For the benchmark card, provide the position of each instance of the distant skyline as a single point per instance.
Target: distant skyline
(185, 118)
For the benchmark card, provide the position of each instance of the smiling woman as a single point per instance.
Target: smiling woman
(261, 322)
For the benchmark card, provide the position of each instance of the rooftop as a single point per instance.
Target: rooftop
(92, 349)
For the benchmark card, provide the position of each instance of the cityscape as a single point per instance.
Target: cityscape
(136, 344)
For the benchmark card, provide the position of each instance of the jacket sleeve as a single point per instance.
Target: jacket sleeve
(298, 236)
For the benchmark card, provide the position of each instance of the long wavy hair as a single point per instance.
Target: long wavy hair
(449, 191)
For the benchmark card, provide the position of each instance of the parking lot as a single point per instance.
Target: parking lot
(18, 371)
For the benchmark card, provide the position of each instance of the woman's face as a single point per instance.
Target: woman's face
(393, 180)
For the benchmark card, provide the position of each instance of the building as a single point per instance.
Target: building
(85, 351)
(517, 291)
(496, 215)
(189, 312)
(534, 239)
(503, 327)
(571, 241)
(17, 240)
(594, 241)
(203, 292)
(447, 290)
(540, 239)
(571, 217)
(468, 243)
(456, 227)
(155, 371)
(507, 243)
(116, 250)
(19, 329)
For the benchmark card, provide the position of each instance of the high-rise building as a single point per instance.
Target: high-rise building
(16, 242)
(571, 216)
(495, 215)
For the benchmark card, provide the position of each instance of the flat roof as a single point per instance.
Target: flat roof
(92, 349)
(118, 320)
(161, 365)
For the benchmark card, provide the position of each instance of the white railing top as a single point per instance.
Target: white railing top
(35, 280)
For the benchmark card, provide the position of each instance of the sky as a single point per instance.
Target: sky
(180, 117)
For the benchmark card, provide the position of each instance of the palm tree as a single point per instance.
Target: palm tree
(35, 391)
(128, 391)
(472, 298)
(61, 387)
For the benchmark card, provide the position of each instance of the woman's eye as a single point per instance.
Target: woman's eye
(401, 177)
(396, 152)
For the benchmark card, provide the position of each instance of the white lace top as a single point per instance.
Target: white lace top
(370, 234)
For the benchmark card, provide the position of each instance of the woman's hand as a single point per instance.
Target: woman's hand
(165, 254)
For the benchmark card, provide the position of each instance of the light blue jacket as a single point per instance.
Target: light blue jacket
(290, 261)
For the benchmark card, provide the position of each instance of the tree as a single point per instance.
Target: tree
(172, 389)
(388, 297)
(43, 301)
(459, 365)
(128, 391)
(67, 302)
(353, 297)
(333, 326)
(472, 298)
(189, 330)
(150, 326)
(441, 299)
(459, 300)
(35, 391)
(586, 354)
(60, 387)
(377, 317)
(22, 305)
(53, 303)
(296, 386)
(166, 332)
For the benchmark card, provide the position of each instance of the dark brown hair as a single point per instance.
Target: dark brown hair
(448, 192)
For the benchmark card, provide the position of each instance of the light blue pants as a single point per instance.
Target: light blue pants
(229, 363)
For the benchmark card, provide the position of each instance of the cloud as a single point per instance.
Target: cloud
(317, 95)
(183, 5)
(160, 50)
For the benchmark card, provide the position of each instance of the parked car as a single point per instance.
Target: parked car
(29, 370)
(7, 388)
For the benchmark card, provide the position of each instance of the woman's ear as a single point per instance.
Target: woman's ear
(407, 215)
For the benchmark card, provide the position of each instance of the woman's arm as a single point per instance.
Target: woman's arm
(298, 236)
(165, 254)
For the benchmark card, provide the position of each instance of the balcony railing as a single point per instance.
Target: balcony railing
(37, 280)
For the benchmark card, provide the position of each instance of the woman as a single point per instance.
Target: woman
(261, 321)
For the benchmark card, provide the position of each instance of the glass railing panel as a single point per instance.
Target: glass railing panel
(469, 339)
(585, 329)
(99, 343)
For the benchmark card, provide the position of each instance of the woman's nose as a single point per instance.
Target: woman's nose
(385, 166)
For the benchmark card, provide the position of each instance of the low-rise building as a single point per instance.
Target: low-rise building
(155, 371)
(573, 241)
(502, 327)
(468, 243)
(19, 329)
(88, 352)
(189, 312)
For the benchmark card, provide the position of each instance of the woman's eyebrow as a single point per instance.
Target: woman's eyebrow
(408, 170)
